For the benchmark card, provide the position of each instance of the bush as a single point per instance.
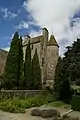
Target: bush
(75, 102)
(19, 105)
(76, 88)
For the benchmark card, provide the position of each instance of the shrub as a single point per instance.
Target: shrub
(75, 102)
(19, 105)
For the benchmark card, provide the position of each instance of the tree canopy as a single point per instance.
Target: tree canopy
(14, 63)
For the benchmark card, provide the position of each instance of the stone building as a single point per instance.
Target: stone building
(3, 57)
(48, 53)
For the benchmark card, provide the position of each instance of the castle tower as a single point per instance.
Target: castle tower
(52, 57)
(43, 54)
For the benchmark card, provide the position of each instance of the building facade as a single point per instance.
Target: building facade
(48, 53)
(3, 58)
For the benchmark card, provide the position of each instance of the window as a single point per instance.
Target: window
(32, 46)
(42, 46)
(42, 61)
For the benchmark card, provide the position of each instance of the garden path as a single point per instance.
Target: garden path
(27, 116)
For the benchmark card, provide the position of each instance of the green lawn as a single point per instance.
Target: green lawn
(55, 104)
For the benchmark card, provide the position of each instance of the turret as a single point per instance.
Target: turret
(45, 35)
(52, 57)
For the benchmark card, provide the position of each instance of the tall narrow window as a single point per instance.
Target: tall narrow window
(42, 61)
(42, 46)
(32, 46)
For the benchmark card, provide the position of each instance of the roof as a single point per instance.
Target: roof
(52, 41)
(33, 40)
(37, 39)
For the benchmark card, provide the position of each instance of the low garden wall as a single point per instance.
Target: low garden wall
(18, 93)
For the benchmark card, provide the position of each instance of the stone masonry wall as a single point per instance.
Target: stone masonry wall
(18, 93)
(52, 57)
(3, 57)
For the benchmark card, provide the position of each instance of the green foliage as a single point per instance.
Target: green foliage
(20, 65)
(36, 72)
(68, 71)
(11, 69)
(62, 88)
(58, 78)
(27, 68)
(72, 62)
(14, 63)
(76, 88)
(56, 104)
(75, 102)
(19, 105)
(66, 91)
(32, 72)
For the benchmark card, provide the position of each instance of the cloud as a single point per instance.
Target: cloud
(56, 16)
(6, 48)
(33, 33)
(22, 25)
(8, 14)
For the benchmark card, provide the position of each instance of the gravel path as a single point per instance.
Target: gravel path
(27, 116)
(12, 116)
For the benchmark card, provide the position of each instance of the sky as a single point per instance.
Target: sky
(60, 17)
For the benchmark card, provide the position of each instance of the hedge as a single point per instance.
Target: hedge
(75, 102)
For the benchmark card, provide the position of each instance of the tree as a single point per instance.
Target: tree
(72, 62)
(20, 65)
(13, 68)
(27, 67)
(61, 87)
(68, 71)
(58, 78)
(36, 72)
(65, 91)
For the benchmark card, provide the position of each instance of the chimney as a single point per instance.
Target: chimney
(26, 38)
(45, 35)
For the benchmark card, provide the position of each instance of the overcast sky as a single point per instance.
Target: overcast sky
(60, 17)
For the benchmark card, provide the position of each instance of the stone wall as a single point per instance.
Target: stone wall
(18, 93)
(3, 57)
(52, 57)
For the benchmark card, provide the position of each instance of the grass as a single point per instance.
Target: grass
(55, 104)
